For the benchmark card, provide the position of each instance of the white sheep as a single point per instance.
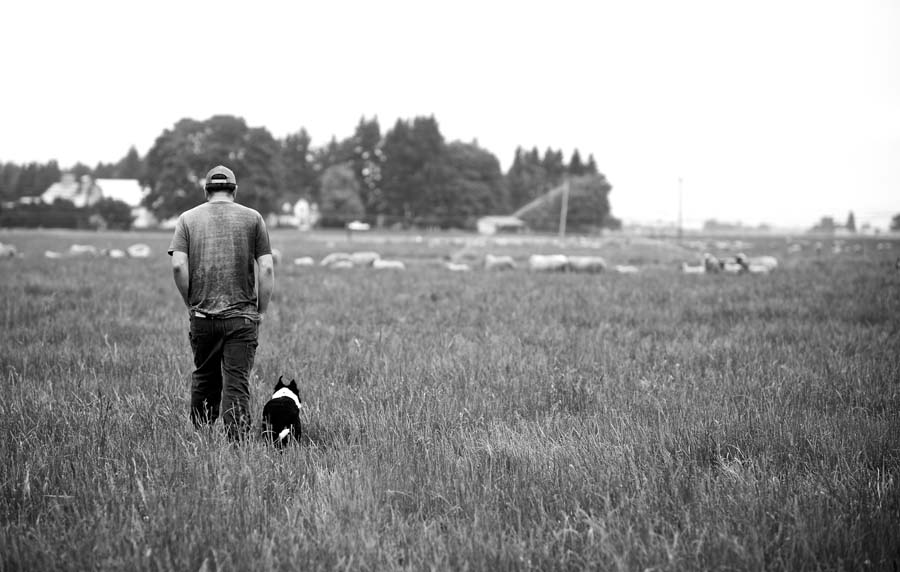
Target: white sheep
(626, 269)
(689, 269)
(364, 258)
(457, 266)
(334, 258)
(86, 249)
(757, 264)
(501, 262)
(381, 264)
(587, 263)
(304, 261)
(548, 262)
(340, 265)
(8, 250)
(139, 250)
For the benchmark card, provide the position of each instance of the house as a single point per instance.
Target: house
(495, 224)
(86, 192)
(82, 193)
(302, 214)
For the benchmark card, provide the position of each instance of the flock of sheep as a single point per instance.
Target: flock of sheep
(138, 250)
(739, 264)
(536, 262)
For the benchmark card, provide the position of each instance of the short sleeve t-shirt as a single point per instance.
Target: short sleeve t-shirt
(222, 241)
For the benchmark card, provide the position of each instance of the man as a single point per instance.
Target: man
(219, 252)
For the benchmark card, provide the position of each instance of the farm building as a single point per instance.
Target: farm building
(82, 193)
(86, 192)
(495, 224)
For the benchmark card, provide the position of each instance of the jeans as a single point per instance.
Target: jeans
(224, 350)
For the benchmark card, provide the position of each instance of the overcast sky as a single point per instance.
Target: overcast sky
(781, 111)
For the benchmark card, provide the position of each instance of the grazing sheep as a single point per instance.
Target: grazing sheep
(548, 262)
(364, 258)
(341, 265)
(501, 262)
(304, 261)
(276, 256)
(116, 253)
(8, 250)
(757, 264)
(380, 264)
(689, 269)
(86, 249)
(626, 269)
(457, 266)
(731, 265)
(139, 251)
(587, 264)
(334, 258)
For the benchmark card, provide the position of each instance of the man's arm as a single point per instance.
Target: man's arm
(182, 274)
(266, 282)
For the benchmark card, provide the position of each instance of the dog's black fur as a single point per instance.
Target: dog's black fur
(281, 414)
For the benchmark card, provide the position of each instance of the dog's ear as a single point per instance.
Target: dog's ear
(280, 382)
(293, 385)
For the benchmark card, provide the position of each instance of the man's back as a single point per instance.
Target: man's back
(222, 239)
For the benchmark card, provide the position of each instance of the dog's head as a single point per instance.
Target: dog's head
(287, 390)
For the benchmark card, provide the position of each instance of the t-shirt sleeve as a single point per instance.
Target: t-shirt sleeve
(262, 246)
(180, 238)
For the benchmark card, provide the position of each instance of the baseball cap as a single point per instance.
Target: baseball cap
(220, 175)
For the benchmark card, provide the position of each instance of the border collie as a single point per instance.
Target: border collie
(281, 414)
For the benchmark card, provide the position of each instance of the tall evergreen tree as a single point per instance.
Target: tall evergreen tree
(367, 163)
(409, 173)
(576, 167)
(851, 222)
(130, 166)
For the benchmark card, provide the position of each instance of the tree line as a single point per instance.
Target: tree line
(409, 176)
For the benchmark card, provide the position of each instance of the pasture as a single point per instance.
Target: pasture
(483, 420)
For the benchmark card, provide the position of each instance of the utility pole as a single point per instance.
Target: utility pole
(679, 208)
(564, 209)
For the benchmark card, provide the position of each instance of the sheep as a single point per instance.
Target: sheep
(626, 269)
(380, 264)
(548, 262)
(587, 263)
(711, 263)
(335, 257)
(276, 256)
(79, 249)
(501, 262)
(8, 250)
(731, 265)
(304, 261)
(688, 269)
(457, 266)
(758, 264)
(365, 258)
(139, 251)
(341, 265)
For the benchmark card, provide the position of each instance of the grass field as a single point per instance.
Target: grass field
(482, 421)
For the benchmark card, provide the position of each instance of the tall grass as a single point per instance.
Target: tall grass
(475, 421)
